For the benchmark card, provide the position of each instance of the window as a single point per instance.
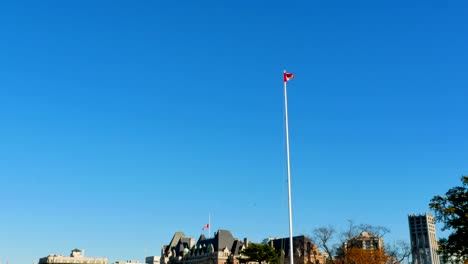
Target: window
(368, 244)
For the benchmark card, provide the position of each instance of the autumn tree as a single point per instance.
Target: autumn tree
(452, 211)
(333, 244)
(259, 253)
(365, 256)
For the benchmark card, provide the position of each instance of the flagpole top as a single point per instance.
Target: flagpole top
(284, 71)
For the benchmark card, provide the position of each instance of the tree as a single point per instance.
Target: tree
(375, 230)
(323, 237)
(452, 211)
(259, 253)
(398, 251)
(350, 232)
(365, 256)
(354, 230)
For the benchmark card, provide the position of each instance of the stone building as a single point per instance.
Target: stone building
(423, 239)
(76, 256)
(305, 251)
(223, 248)
(365, 241)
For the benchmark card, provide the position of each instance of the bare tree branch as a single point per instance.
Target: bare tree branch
(323, 237)
(399, 250)
(351, 231)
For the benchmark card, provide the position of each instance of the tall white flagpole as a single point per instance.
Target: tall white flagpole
(291, 252)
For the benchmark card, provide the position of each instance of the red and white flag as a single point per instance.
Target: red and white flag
(288, 76)
(206, 227)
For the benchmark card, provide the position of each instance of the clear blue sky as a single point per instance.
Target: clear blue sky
(122, 122)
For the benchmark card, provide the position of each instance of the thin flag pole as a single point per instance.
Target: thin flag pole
(291, 252)
(209, 225)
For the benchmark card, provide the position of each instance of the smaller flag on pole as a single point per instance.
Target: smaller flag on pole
(287, 76)
(206, 227)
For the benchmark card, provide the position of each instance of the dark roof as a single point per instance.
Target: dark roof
(202, 237)
(236, 248)
(184, 242)
(222, 239)
(174, 242)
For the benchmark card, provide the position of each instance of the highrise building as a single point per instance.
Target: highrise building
(423, 239)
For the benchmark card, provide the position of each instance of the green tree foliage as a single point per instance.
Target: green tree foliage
(259, 253)
(452, 211)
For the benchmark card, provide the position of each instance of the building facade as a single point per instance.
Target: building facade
(223, 248)
(305, 251)
(76, 257)
(128, 262)
(366, 241)
(423, 239)
(152, 260)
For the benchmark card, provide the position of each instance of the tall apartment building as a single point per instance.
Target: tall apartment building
(423, 239)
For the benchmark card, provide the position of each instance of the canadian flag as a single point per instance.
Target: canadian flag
(206, 227)
(287, 76)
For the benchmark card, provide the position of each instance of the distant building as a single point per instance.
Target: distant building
(223, 248)
(128, 262)
(152, 260)
(365, 240)
(423, 239)
(76, 256)
(305, 251)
